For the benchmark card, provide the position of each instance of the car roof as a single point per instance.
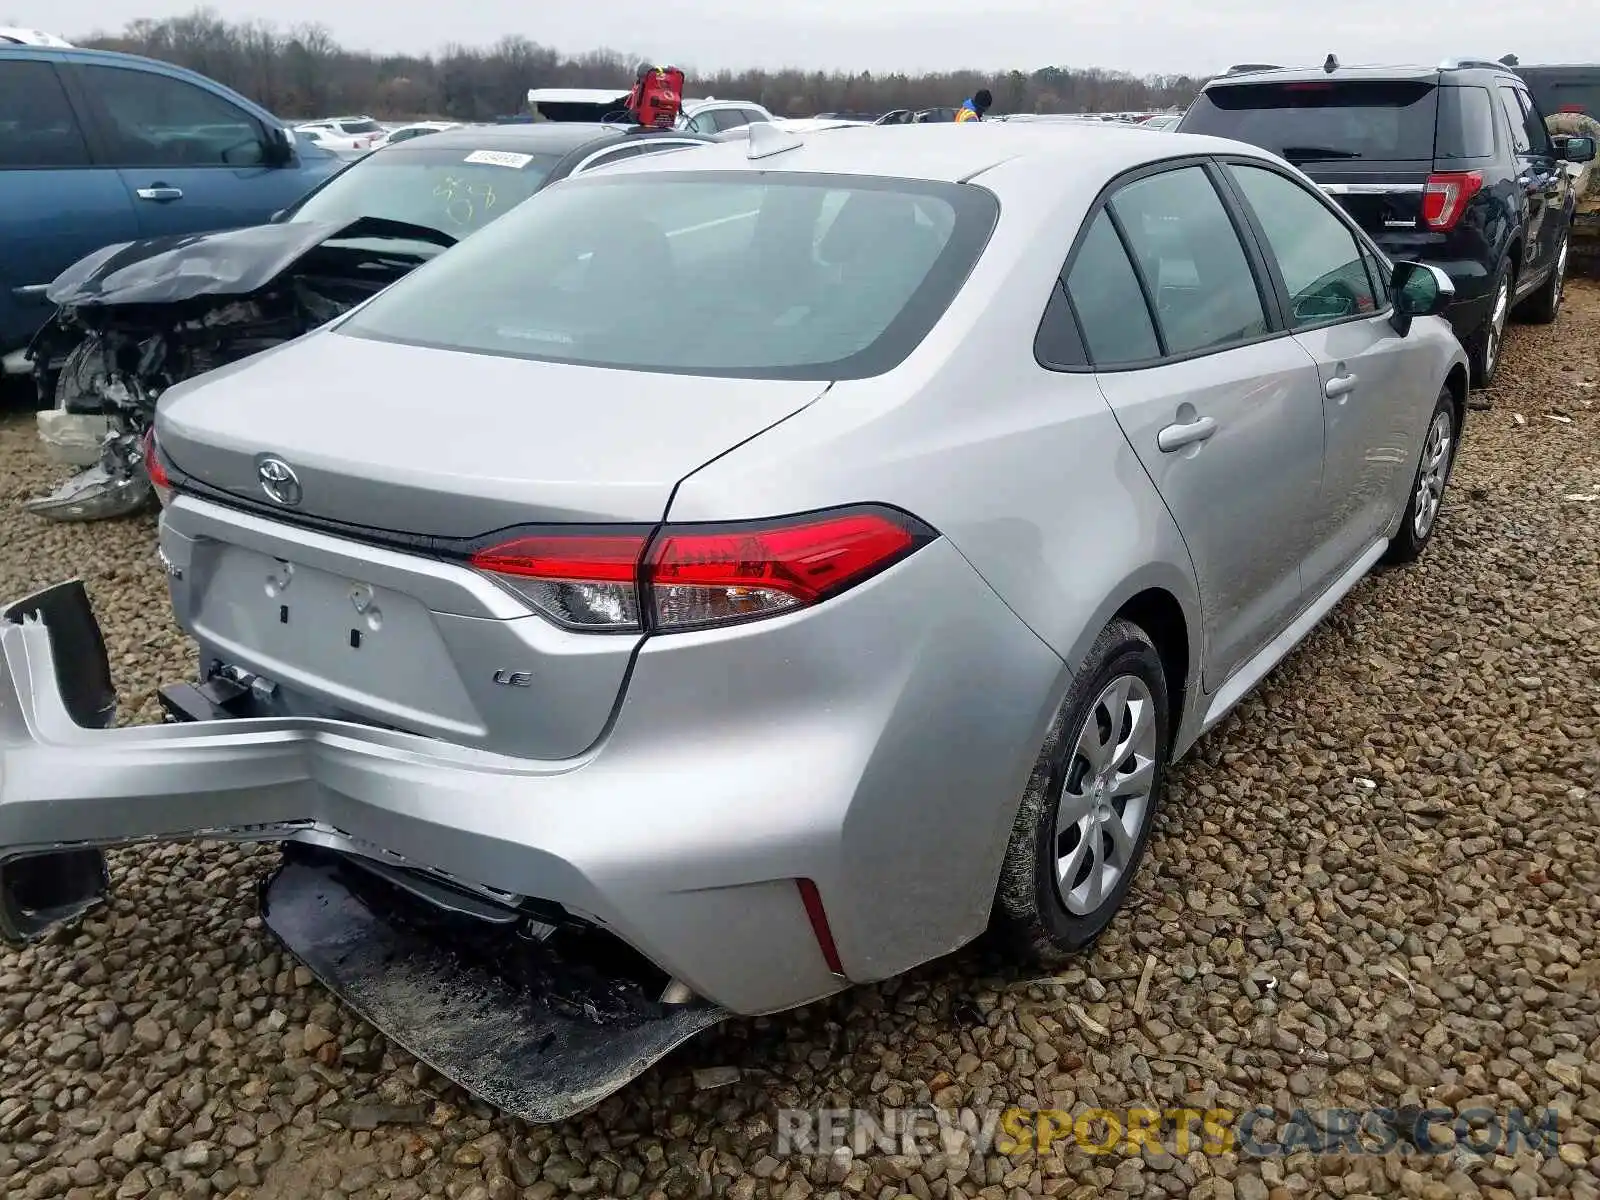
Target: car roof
(1362, 72)
(13, 36)
(948, 152)
(539, 137)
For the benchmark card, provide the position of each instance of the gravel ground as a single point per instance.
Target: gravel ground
(1376, 885)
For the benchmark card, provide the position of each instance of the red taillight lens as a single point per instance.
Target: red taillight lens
(1446, 195)
(698, 576)
(584, 581)
(159, 479)
(714, 577)
(1571, 108)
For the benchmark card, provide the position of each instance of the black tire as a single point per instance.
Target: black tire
(81, 371)
(1408, 544)
(1483, 345)
(1031, 919)
(1544, 306)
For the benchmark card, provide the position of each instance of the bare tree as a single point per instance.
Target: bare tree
(303, 72)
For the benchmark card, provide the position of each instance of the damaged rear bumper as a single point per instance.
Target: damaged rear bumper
(513, 827)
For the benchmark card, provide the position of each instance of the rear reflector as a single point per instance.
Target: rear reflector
(819, 925)
(694, 577)
(1446, 196)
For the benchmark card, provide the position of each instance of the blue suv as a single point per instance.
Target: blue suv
(98, 147)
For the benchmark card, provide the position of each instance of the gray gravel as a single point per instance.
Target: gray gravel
(1376, 885)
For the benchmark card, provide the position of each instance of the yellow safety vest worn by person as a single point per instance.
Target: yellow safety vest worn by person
(974, 108)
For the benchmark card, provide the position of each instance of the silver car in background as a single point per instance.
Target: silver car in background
(829, 542)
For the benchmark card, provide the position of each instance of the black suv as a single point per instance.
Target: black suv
(1449, 165)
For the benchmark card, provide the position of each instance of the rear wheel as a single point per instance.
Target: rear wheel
(1483, 345)
(1090, 804)
(1427, 486)
(1542, 307)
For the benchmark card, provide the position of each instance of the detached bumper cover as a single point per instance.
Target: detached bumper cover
(512, 1046)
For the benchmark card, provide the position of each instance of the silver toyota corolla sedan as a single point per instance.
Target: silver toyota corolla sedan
(738, 575)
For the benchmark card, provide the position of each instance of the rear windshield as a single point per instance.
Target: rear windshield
(777, 275)
(361, 126)
(457, 190)
(1322, 121)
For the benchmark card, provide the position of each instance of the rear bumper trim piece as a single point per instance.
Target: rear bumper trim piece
(528, 1056)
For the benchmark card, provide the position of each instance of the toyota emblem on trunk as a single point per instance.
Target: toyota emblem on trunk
(279, 481)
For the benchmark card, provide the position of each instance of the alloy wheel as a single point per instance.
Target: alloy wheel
(1497, 327)
(1561, 276)
(1106, 795)
(1432, 475)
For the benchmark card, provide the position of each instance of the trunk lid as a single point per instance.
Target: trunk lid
(331, 617)
(436, 443)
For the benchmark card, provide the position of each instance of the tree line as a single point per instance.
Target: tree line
(301, 72)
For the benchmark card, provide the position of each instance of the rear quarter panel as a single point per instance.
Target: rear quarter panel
(1024, 471)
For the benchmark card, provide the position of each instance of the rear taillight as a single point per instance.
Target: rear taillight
(583, 581)
(1446, 195)
(1571, 108)
(694, 577)
(159, 479)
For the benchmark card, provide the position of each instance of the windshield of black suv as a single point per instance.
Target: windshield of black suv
(783, 275)
(1314, 121)
(455, 190)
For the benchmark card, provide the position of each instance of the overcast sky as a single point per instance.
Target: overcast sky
(1199, 36)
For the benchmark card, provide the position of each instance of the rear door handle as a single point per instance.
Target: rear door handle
(1340, 385)
(1176, 437)
(160, 193)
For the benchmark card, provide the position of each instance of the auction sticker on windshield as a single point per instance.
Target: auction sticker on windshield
(499, 158)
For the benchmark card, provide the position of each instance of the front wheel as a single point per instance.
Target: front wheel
(1090, 804)
(1427, 487)
(1543, 306)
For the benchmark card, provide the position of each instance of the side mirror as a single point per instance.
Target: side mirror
(280, 146)
(1578, 149)
(1418, 290)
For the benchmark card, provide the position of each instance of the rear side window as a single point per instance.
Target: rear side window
(37, 125)
(1466, 123)
(1106, 294)
(154, 120)
(1192, 261)
(1323, 121)
(778, 276)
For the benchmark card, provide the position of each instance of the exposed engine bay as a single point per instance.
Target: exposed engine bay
(133, 320)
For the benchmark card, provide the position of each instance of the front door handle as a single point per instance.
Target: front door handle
(1340, 385)
(160, 193)
(1176, 437)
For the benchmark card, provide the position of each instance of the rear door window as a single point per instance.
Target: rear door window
(37, 126)
(1323, 121)
(1110, 304)
(154, 120)
(1533, 124)
(1516, 120)
(1192, 261)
